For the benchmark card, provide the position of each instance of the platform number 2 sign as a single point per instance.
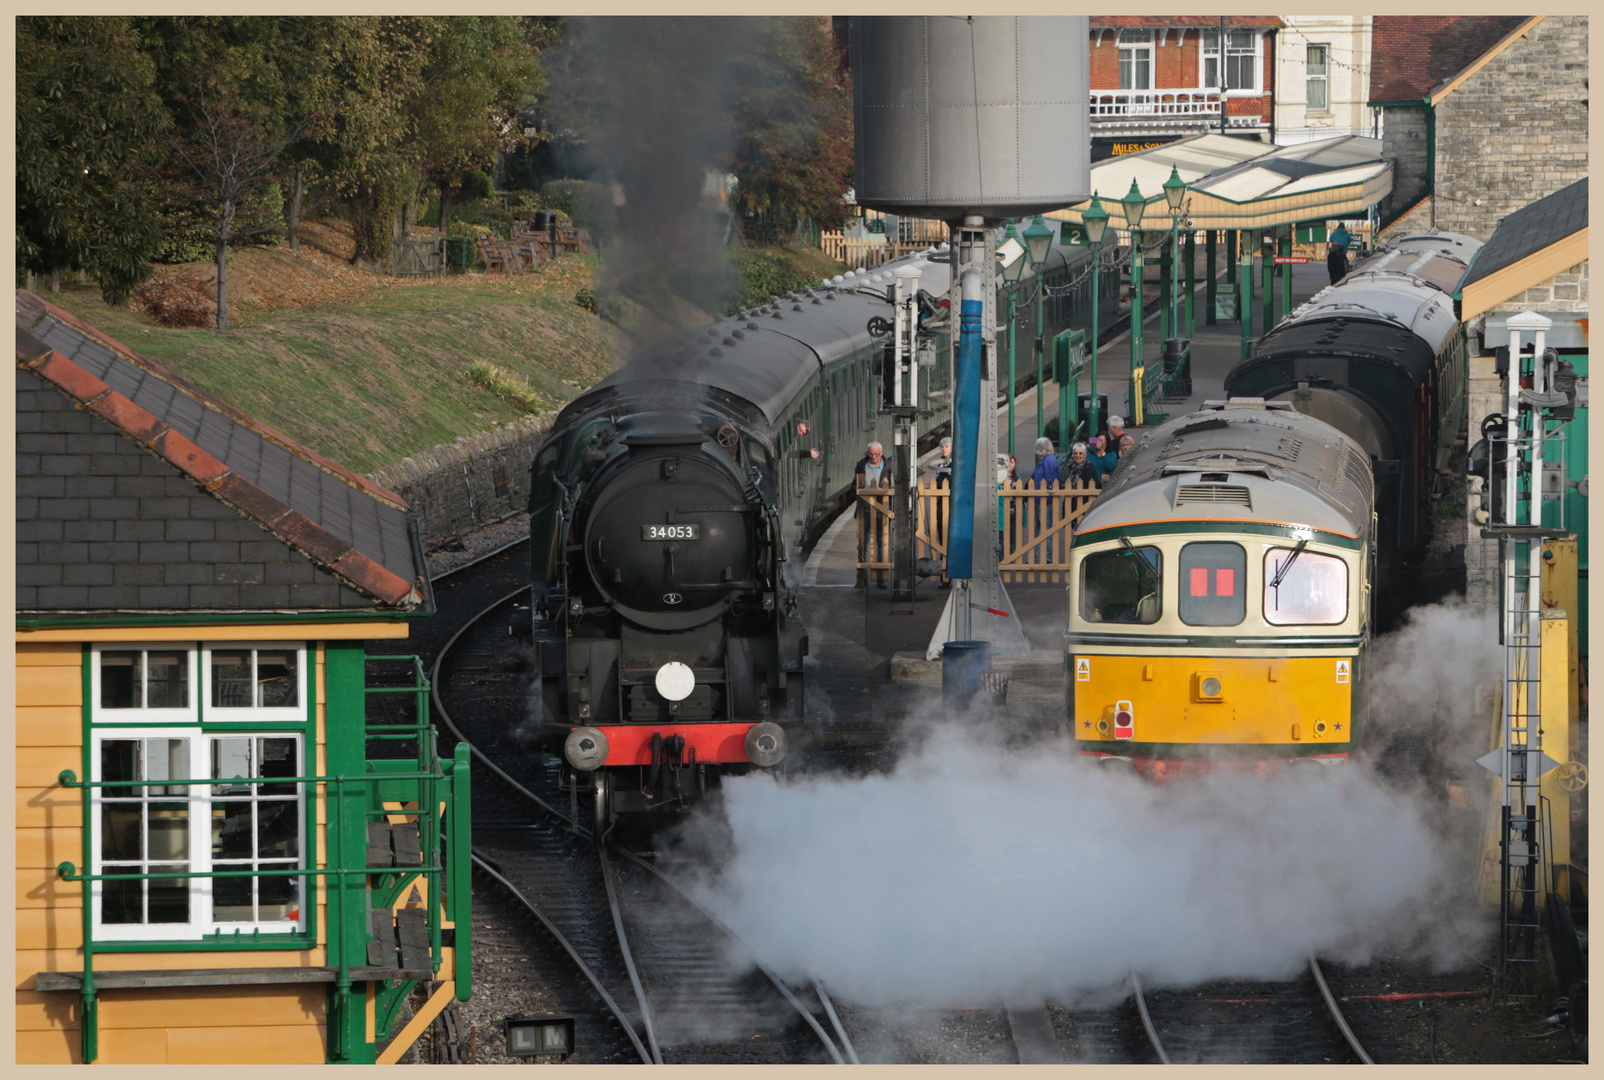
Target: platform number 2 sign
(1083, 669)
(1343, 670)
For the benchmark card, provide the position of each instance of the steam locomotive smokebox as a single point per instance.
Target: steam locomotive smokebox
(961, 665)
(984, 116)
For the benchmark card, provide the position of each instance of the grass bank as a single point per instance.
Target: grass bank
(368, 370)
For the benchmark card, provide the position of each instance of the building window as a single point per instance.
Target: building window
(1241, 59)
(141, 825)
(253, 682)
(1136, 59)
(1316, 77)
(145, 685)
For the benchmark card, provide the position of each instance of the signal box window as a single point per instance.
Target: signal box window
(1304, 589)
(1121, 586)
(151, 681)
(1213, 592)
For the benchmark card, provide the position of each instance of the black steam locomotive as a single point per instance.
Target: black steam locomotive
(668, 511)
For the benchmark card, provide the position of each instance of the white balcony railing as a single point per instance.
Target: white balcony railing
(1156, 104)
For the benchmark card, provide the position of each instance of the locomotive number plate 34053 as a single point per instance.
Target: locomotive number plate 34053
(670, 532)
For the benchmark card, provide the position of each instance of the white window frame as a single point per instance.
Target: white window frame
(1205, 54)
(117, 724)
(292, 714)
(1141, 52)
(199, 800)
(1323, 78)
(140, 715)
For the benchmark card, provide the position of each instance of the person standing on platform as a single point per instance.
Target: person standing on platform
(1044, 476)
(871, 472)
(1337, 254)
(1079, 470)
(1114, 431)
(1102, 456)
(1005, 509)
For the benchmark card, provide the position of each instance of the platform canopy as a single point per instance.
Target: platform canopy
(1241, 184)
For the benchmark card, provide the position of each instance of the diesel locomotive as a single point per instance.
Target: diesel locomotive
(1229, 578)
(669, 508)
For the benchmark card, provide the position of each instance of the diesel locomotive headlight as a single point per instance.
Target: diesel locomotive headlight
(1211, 687)
(585, 748)
(765, 744)
(675, 681)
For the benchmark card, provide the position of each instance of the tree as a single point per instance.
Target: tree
(226, 154)
(465, 108)
(87, 123)
(793, 152)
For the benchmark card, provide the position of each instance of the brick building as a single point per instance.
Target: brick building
(1481, 115)
(1157, 78)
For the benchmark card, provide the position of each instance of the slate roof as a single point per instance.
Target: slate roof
(1411, 55)
(1531, 229)
(344, 524)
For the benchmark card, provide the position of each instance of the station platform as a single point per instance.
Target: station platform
(867, 676)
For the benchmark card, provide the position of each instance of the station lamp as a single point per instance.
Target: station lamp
(1096, 219)
(539, 1036)
(1013, 253)
(1038, 241)
(1174, 190)
(1133, 204)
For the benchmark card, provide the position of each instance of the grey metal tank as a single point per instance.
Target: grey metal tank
(983, 115)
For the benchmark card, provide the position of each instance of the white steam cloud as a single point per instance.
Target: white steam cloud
(977, 875)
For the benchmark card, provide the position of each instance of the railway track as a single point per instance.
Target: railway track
(1296, 1023)
(650, 970)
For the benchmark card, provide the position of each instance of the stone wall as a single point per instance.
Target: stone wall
(477, 480)
(1516, 130)
(1403, 139)
(1565, 291)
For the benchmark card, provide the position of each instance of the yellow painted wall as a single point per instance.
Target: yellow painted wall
(180, 1025)
(267, 1025)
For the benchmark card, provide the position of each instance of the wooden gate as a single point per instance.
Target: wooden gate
(1034, 527)
(417, 256)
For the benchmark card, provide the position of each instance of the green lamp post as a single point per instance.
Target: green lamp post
(1011, 273)
(1038, 242)
(1096, 219)
(1133, 205)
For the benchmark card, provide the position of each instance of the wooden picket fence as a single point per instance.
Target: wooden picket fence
(1035, 527)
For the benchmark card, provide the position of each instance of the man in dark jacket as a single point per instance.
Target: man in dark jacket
(872, 471)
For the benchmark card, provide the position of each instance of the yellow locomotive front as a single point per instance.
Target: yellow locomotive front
(1219, 604)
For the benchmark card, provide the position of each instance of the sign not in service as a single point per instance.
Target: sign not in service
(1283, 260)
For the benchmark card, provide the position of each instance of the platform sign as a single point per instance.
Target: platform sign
(1083, 669)
(1344, 670)
(1283, 260)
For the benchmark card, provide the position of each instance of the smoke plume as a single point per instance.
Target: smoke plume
(653, 99)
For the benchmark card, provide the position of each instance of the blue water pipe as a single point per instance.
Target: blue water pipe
(966, 432)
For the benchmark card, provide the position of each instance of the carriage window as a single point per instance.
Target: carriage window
(1121, 586)
(1213, 592)
(1313, 590)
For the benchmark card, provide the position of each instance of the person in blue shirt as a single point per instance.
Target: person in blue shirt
(1337, 254)
(1102, 456)
(1045, 475)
